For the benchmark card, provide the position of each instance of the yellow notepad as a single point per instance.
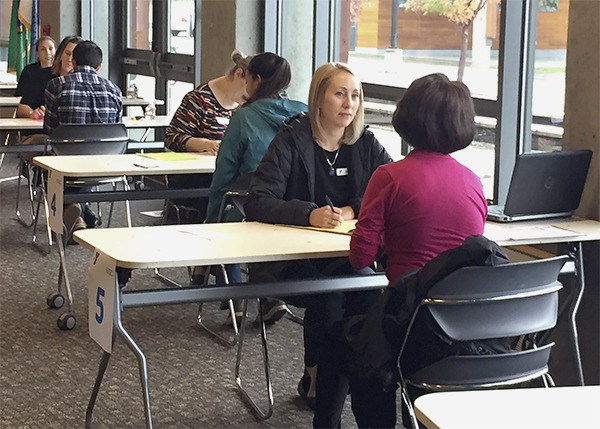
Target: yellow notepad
(345, 228)
(170, 156)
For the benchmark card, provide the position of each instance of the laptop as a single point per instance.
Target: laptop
(544, 185)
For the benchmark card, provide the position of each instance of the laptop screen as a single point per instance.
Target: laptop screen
(547, 182)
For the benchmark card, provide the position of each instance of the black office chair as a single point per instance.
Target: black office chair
(475, 306)
(90, 139)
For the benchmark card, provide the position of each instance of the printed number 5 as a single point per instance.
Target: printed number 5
(100, 304)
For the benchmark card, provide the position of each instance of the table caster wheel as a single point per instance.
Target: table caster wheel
(55, 300)
(66, 322)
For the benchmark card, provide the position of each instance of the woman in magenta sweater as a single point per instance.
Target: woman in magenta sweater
(416, 208)
(412, 210)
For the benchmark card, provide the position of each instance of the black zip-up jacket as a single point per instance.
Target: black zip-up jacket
(282, 189)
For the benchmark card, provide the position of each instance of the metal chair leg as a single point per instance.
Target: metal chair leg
(294, 318)
(227, 341)
(408, 404)
(31, 194)
(42, 201)
(238, 379)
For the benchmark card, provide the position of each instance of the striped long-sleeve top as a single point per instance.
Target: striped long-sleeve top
(199, 115)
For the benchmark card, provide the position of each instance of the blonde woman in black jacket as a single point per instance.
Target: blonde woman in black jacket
(324, 157)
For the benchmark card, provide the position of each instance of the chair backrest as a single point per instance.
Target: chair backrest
(236, 196)
(89, 139)
(483, 306)
(476, 303)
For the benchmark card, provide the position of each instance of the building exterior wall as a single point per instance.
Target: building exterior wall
(417, 31)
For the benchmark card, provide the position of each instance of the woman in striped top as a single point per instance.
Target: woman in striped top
(199, 123)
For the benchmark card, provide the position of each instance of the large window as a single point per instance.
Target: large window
(159, 56)
(548, 100)
(181, 26)
(389, 43)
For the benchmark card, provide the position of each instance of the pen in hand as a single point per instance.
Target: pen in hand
(329, 203)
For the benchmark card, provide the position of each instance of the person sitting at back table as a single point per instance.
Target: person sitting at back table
(81, 97)
(32, 86)
(254, 125)
(413, 210)
(33, 80)
(200, 121)
(251, 129)
(325, 156)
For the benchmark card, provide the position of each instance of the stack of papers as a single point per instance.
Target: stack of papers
(501, 233)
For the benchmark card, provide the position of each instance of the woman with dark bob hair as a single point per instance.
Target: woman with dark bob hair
(412, 210)
(427, 202)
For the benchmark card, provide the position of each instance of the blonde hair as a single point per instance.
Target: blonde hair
(240, 61)
(318, 86)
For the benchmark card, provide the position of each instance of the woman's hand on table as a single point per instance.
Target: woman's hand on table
(198, 144)
(325, 217)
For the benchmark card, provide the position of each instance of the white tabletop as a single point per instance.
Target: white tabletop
(210, 244)
(553, 408)
(9, 101)
(206, 244)
(138, 101)
(12, 101)
(19, 124)
(545, 231)
(126, 164)
(159, 121)
(7, 86)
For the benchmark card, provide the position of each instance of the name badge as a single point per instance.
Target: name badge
(222, 121)
(341, 172)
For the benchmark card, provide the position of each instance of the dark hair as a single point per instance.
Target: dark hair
(61, 47)
(436, 114)
(87, 54)
(274, 72)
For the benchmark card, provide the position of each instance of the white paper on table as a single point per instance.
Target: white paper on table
(145, 163)
(528, 232)
(101, 299)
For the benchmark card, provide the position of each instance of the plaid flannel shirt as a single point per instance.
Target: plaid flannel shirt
(81, 97)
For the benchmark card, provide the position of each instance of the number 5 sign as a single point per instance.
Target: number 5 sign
(101, 299)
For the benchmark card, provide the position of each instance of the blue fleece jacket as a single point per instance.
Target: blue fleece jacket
(244, 143)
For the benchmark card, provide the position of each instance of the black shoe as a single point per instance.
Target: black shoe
(272, 310)
(90, 218)
(303, 387)
(198, 280)
(23, 170)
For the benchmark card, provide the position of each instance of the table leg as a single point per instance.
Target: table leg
(577, 255)
(66, 321)
(142, 363)
(43, 201)
(145, 135)
(238, 379)
(101, 370)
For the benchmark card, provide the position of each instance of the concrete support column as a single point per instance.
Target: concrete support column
(63, 17)
(582, 95)
(228, 25)
(297, 46)
(582, 131)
